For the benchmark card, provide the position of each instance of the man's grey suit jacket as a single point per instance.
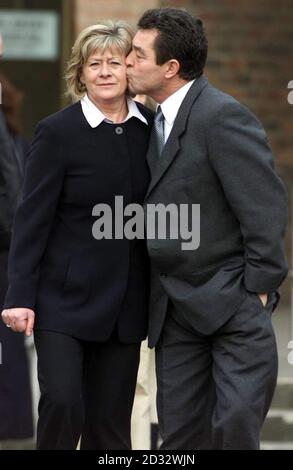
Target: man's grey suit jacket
(217, 156)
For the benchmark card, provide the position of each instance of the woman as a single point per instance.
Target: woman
(88, 297)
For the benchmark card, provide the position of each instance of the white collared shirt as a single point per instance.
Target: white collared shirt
(94, 116)
(171, 105)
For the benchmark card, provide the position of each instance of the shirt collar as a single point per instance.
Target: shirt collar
(171, 105)
(94, 116)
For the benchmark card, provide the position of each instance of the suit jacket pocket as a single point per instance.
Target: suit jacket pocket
(229, 269)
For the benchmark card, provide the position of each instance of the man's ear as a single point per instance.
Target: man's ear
(172, 69)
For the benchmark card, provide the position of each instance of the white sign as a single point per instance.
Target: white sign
(29, 35)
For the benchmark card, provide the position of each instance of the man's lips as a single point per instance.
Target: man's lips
(106, 84)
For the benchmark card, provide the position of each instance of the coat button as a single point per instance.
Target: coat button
(119, 130)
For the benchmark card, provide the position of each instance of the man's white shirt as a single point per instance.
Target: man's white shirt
(170, 107)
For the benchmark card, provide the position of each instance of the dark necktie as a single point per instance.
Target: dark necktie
(159, 129)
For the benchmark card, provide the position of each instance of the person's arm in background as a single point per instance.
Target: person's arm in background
(10, 184)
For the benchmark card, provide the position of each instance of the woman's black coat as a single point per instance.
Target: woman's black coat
(76, 284)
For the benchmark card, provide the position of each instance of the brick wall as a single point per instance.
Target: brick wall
(89, 11)
(251, 57)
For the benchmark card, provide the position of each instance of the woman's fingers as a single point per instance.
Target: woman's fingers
(30, 323)
(19, 319)
(19, 326)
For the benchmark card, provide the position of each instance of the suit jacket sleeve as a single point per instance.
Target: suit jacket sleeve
(243, 161)
(43, 181)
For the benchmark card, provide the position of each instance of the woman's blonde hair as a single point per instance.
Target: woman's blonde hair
(113, 35)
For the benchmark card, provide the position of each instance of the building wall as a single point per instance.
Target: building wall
(89, 11)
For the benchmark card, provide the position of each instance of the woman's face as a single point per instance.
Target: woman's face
(104, 75)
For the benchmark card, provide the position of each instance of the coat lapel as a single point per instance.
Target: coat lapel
(159, 165)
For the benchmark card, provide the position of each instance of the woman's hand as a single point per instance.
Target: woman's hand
(19, 320)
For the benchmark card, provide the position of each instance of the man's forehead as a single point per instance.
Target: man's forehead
(144, 38)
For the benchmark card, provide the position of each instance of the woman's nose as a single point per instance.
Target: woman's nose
(105, 70)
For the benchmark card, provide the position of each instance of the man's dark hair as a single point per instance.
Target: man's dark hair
(180, 36)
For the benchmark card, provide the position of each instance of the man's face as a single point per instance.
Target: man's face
(144, 75)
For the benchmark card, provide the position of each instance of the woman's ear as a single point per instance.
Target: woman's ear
(80, 76)
(81, 82)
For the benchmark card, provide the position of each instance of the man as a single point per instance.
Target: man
(210, 309)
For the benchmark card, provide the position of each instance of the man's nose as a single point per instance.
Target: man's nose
(129, 59)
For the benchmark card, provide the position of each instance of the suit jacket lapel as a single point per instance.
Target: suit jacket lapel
(159, 165)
